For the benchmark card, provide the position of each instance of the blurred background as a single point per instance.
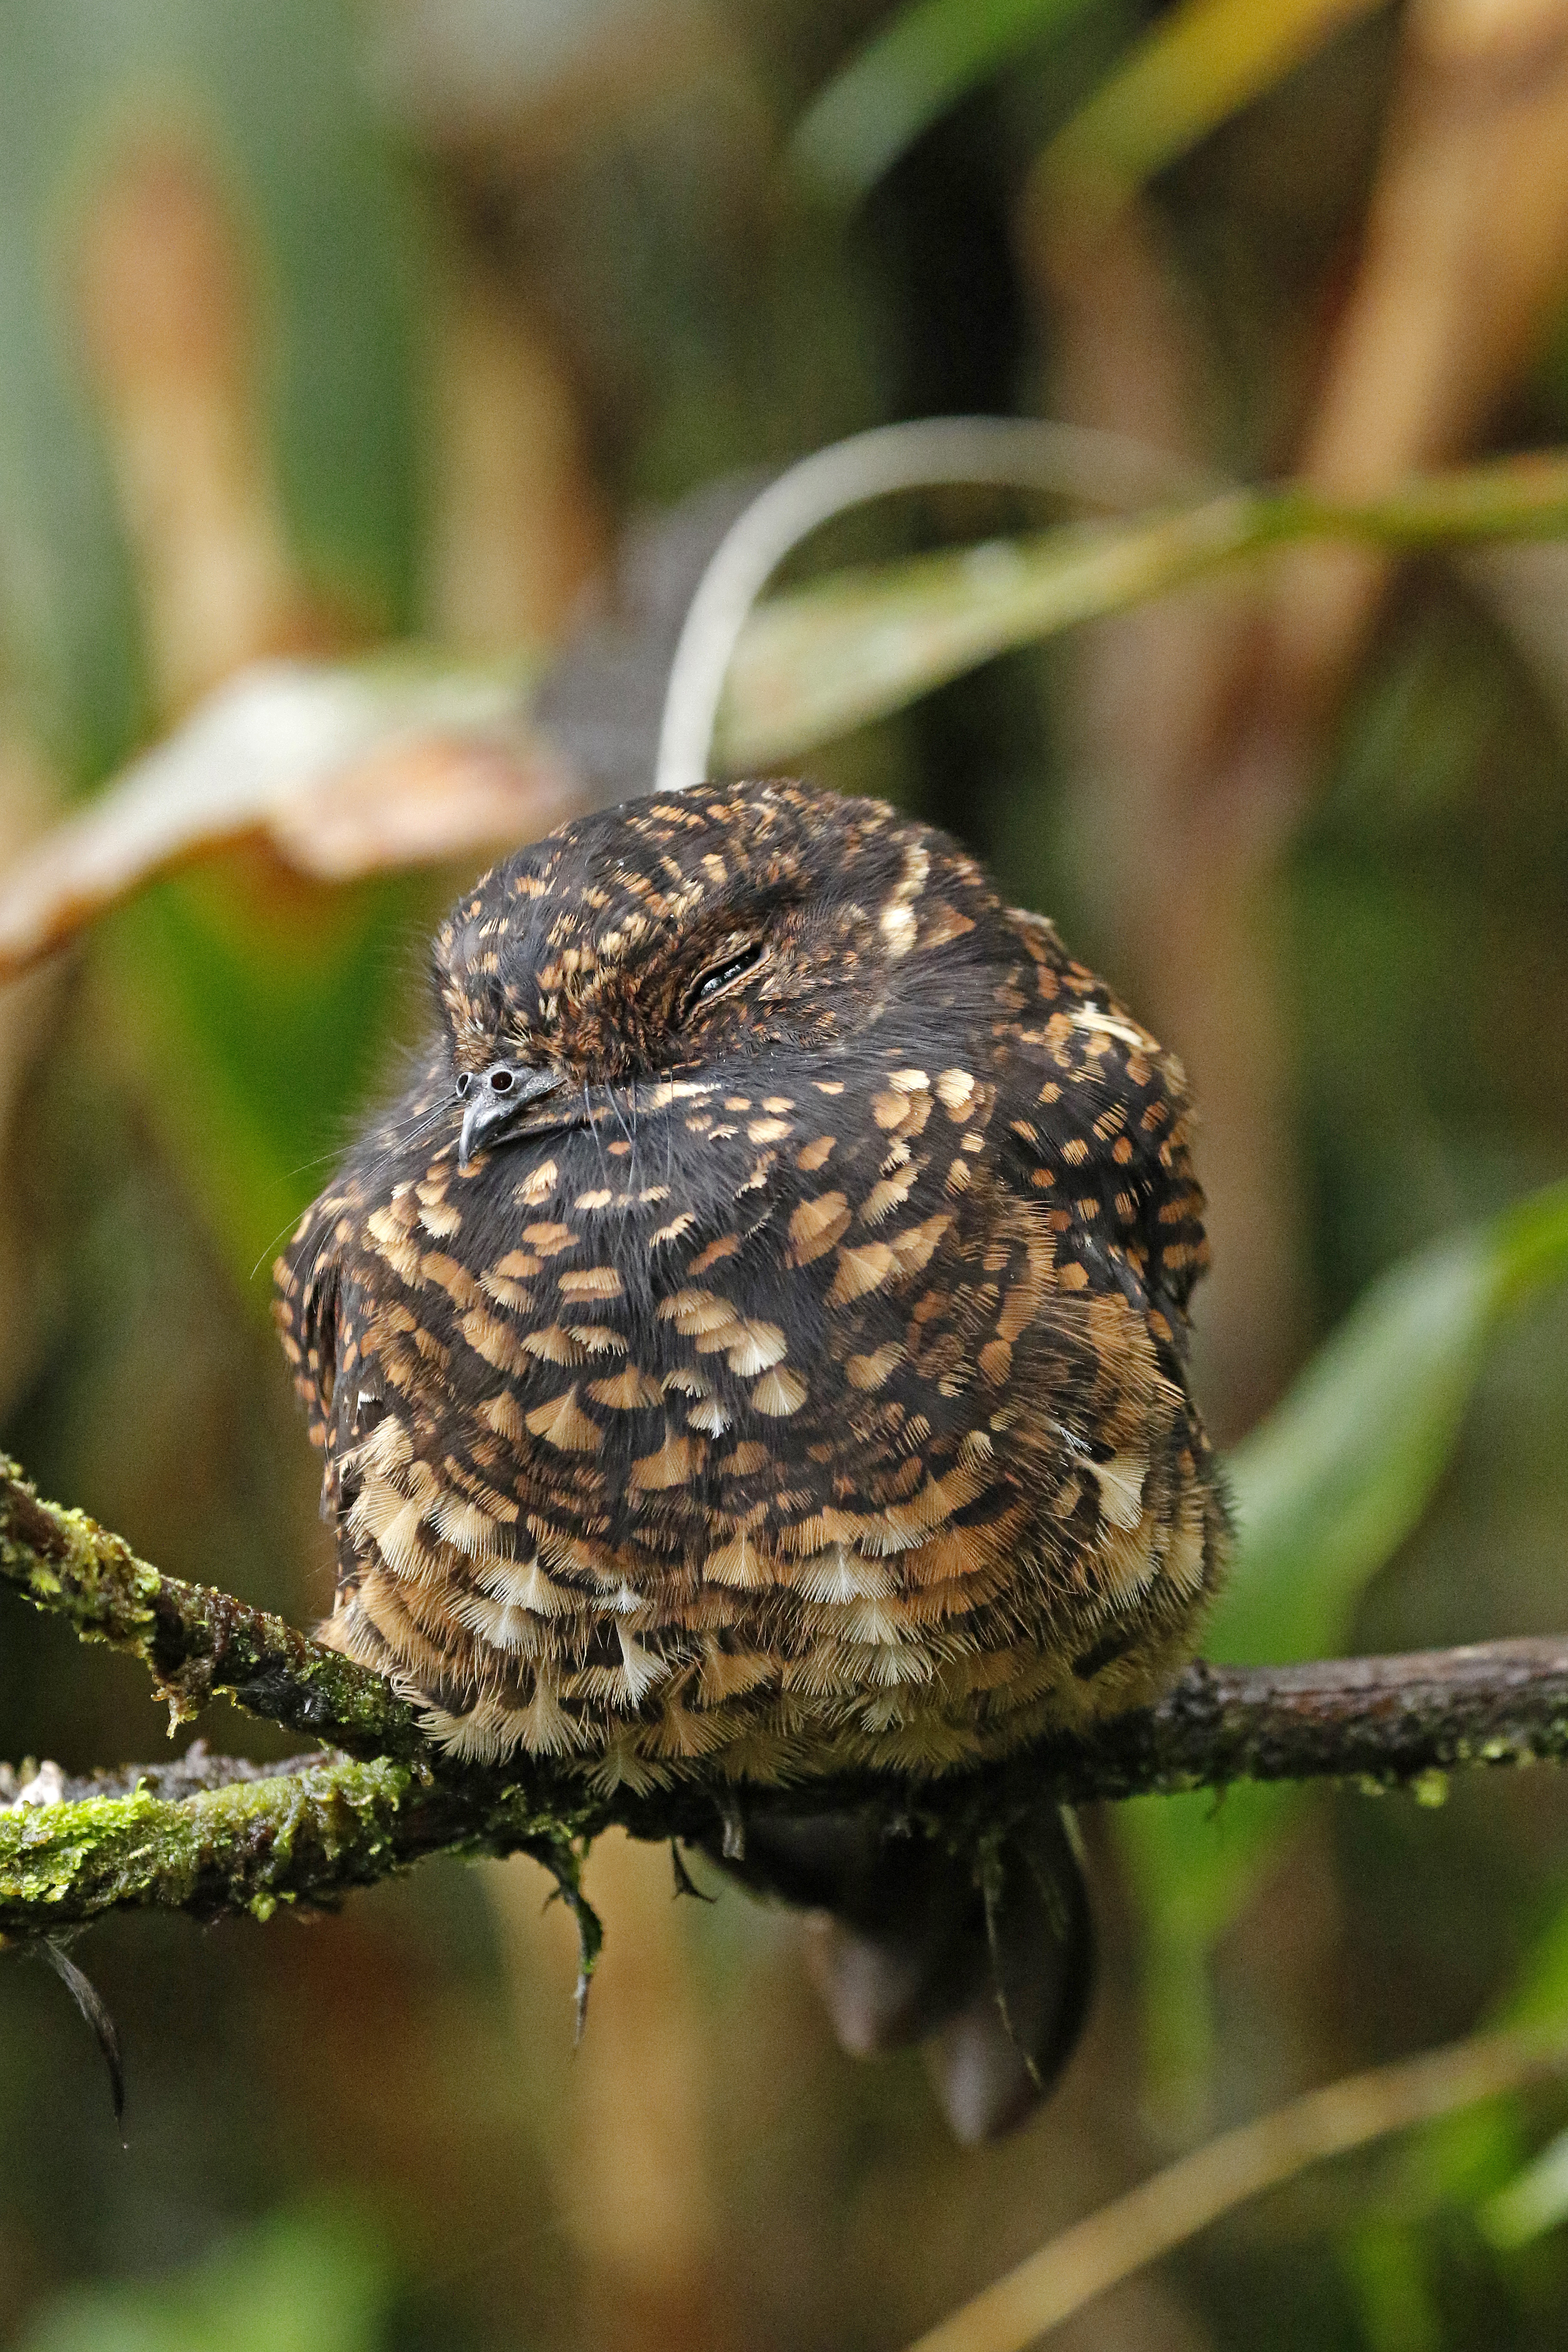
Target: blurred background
(327, 329)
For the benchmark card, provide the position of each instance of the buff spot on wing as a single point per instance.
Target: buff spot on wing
(550, 1240)
(627, 1391)
(736, 1563)
(860, 1270)
(503, 1414)
(552, 1345)
(1121, 1488)
(496, 1342)
(754, 1348)
(391, 1238)
(696, 1312)
(889, 1193)
(591, 1282)
(563, 1424)
(815, 1225)
(913, 1248)
(598, 1339)
(677, 1460)
(673, 1231)
(450, 1276)
(779, 1392)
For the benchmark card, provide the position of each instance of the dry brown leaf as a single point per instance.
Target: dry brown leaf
(421, 800)
(342, 771)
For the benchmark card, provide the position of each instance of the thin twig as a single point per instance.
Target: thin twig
(1015, 452)
(1386, 1719)
(184, 1776)
(1198, 2189)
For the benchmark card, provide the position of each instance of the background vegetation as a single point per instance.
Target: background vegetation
(324, 329)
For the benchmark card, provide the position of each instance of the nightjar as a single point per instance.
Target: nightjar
(754, 1346)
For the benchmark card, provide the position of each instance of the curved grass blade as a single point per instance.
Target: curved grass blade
(1203, 61)
(906, 77)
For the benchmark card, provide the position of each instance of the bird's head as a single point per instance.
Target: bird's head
(672, 935)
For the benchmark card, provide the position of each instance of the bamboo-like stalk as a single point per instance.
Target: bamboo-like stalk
(1200, 2188)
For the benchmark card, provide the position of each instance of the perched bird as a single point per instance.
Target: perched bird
(753, 1349)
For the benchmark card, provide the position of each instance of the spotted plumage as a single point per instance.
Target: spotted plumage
(755, 1344)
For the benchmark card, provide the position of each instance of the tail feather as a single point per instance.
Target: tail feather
(988, 1960)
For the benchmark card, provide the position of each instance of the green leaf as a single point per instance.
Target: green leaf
(260, 1009)
(1325, 1490)
(254, 1016)
(1387, 2266)
(1330, 1485)
(1534, 2201)
(1478, 2160)
(1539, 1992)
(929, 58)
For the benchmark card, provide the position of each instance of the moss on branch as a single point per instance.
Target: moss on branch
(305, 1835)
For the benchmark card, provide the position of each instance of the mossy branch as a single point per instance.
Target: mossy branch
(193, 1640)
(213, 1835)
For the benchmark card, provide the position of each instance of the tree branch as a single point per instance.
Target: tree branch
(213, 1834)
(193, 1640)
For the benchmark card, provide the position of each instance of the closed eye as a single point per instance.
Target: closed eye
(721, 976)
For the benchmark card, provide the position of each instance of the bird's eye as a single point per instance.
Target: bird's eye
(723, 975)
(465, 1084)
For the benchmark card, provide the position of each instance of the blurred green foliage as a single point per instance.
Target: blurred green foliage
(298, 2284)
(273, 103)
(925, 61)
(258, 1024)
(1323, 1492)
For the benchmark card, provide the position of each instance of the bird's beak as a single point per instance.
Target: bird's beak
(494, 1101)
